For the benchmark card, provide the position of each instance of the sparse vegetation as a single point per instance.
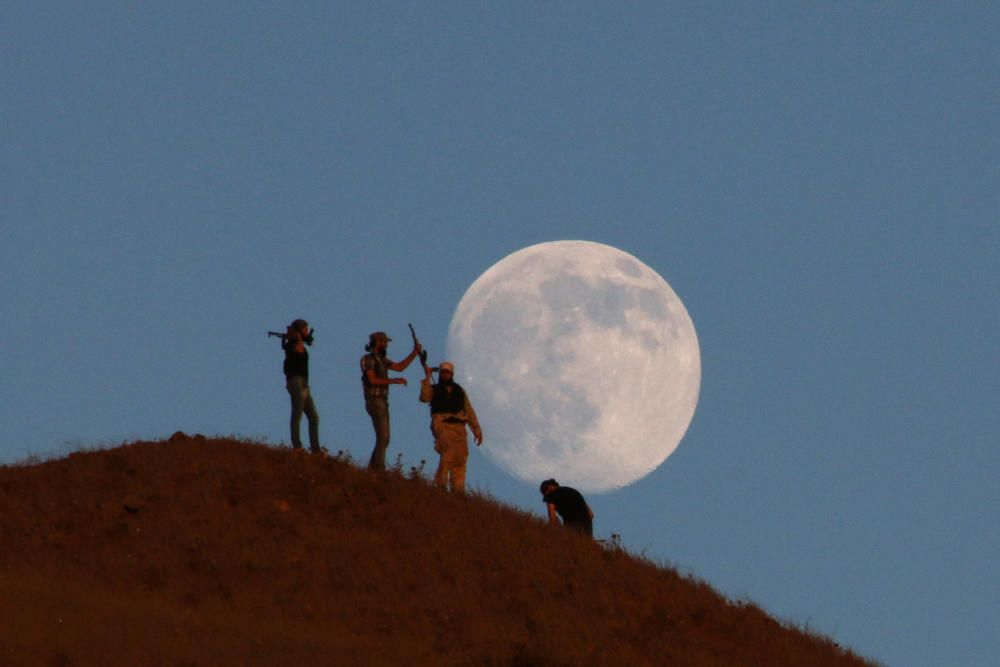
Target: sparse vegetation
(198, 551)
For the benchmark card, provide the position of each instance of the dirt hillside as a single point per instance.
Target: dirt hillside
(196, 551)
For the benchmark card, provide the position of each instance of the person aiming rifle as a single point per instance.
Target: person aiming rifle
(296, 369)
(307, 339)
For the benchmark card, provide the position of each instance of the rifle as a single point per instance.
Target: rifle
(308, 340)
(423, 352)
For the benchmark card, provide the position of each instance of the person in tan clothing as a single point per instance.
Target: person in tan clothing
(451, 411)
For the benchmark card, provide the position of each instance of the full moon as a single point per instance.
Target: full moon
(581, 362)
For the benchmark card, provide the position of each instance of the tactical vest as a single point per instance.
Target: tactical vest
(448, 402)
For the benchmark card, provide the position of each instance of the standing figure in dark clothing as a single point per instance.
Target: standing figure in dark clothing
(375, 367)
(297, 383)
(568, 504)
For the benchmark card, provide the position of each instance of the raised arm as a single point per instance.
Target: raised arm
(426, 386)
(400, 366)
(293, 341)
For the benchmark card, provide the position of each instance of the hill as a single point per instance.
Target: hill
(219, 552)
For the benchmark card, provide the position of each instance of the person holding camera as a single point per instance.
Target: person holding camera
(296, 370)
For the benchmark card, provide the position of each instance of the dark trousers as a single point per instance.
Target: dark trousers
(585, 526)
(302, 402)
(378, 410)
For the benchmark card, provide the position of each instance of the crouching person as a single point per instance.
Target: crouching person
(569, 505)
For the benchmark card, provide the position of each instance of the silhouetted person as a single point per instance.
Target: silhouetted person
(375, 367)
(450, 412)
(569, 504)
(296, 369)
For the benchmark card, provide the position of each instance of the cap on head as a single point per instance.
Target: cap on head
(378, 335)
(547, 483)
(446, 366)
(299, 325)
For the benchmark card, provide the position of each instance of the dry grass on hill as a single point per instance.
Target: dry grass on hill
(219, 552)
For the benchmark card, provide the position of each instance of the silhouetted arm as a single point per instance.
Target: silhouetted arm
(400, 366)
(553, 516)
(426, 388)
(293, 340)
(473, 420)
(375, 381)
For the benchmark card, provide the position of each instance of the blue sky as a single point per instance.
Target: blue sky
(818, 182)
